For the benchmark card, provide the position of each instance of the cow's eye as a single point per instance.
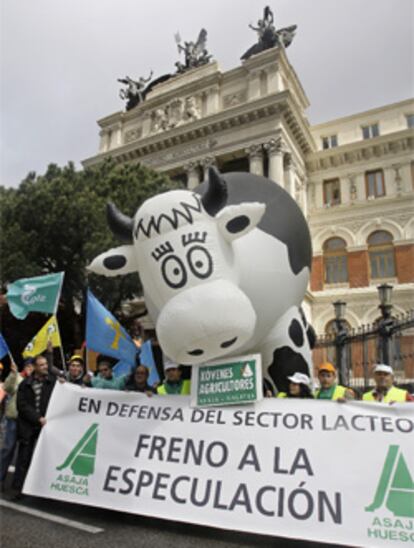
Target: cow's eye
(173, 271)
(200, 261)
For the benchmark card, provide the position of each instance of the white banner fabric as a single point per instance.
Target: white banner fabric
(306, 469)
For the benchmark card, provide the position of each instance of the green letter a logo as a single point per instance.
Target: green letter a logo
(395, 486)
(82, 457)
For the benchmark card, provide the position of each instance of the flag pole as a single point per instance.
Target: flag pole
(62, 356)
(11, 357)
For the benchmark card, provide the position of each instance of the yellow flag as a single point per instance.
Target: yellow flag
(38, 344)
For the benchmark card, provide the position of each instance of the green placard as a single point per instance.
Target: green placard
(228, 382)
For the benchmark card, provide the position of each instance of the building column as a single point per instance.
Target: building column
(305, 196)
(104, 140)
(352, 190)
(275, 149)
(213, 97)
(290, 175)
(208, 161)
(146, 124)
(118, 134)
(193, 178)
(274, 79)
(255, 154)
(253, 85)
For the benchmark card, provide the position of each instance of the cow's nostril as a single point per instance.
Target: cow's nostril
(226, 344)
(196, 352)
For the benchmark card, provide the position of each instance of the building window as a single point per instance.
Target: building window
(374, 181)
(335, 261)
(329, 142)
(381, 254)
(410, 120)
(369, 132)
(331, 192)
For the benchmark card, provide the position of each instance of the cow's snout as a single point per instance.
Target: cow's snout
(205, 322)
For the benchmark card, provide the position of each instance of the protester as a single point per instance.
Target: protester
(299, 387)
(33, 397)
(11, 385)
(75, 373)
(138, 381)
(173, 383)
(329, 389)
(105, 378)
(136, 332)
(385, 391)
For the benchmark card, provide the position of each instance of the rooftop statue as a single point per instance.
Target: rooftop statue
(135, 91)
(268, 36)
(195, 54)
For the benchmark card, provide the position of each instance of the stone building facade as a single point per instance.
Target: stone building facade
(353, 177)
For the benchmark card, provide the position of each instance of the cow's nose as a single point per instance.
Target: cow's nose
(228, 343)
(196, 352)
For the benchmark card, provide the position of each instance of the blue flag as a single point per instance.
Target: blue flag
(104, 334)
(147, 359)
(4, 349)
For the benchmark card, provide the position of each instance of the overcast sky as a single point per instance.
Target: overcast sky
(60, 60)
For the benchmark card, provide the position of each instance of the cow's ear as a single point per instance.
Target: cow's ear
(237, 220)
(117, 261)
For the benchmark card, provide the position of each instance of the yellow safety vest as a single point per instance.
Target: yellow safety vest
(339, 392)
(393, 394)
(185, 389)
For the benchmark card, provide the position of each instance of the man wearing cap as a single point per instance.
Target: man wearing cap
(75, 371)
(105, 378)
(385, 391)
(299, 387)
(173, 383)
(329, 389)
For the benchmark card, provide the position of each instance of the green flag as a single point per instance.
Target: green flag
(40, 294)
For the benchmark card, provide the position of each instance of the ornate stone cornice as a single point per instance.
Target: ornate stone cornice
(275, 146)
(254, 151)
(361, 151)
(234, 118)
(397, 208)
(208, 161)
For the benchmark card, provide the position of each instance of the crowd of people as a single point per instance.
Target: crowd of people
(29, 390)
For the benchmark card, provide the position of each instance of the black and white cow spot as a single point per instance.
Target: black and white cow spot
(286, 362)
(115, 262)
(238, 224)
(296, 333)
(310, 332)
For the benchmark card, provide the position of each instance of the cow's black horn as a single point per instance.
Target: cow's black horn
(120, 224)
(215, 197)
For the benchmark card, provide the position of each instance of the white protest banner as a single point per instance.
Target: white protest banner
(307, 469)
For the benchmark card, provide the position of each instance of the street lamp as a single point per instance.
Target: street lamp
(340, 340)
(340, 307)
(386, 323)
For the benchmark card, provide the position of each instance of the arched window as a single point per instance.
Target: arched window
(335, 261)
(381, 254)
(331, 328)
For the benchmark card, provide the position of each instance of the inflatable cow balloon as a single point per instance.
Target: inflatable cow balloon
(224, 270)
